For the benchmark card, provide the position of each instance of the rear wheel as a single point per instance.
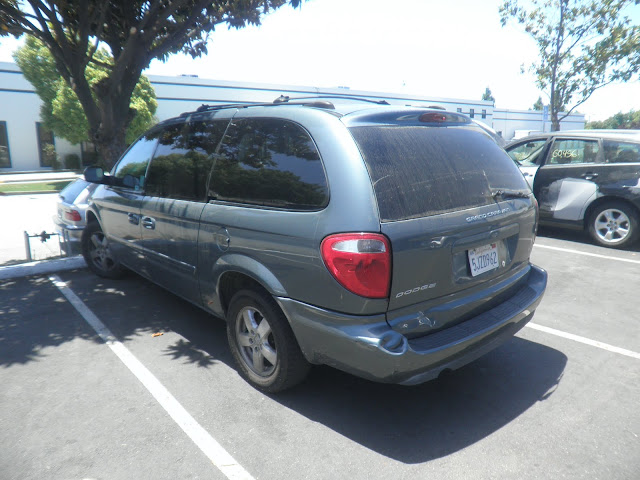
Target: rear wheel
(263, 344)
(97, 253)
(614, 225)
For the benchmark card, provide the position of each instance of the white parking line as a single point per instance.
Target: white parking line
(586, 341)
(587, 254)
(205, 442)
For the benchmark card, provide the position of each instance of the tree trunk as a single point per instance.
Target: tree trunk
(110, 147)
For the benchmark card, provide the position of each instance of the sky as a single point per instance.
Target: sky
(436, 48)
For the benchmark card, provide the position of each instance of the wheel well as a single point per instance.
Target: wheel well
(602, 200)
(232, 282)
(90, 217)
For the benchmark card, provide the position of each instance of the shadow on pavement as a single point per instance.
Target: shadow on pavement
(580, 237)
(408, 424)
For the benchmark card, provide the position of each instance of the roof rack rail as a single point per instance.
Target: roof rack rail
(318, 101)
(287, 99)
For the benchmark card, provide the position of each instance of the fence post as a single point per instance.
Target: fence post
(27, 246)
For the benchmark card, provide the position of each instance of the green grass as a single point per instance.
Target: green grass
(33, 187)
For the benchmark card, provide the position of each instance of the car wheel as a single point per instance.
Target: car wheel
(614, 225)
(97, 253)
(263, 344)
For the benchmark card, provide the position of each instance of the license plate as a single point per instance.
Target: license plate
(483, 259)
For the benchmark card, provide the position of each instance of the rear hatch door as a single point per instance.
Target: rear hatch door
(459, 214)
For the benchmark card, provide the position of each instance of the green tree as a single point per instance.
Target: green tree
(583, 44)
(538, 105)
(626, 121)
(488, 96)
(134, 32)
(61, 111)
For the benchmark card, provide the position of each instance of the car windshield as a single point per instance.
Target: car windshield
(527, 154)
(71, 191)
(419, 171)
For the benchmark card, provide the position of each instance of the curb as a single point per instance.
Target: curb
(41, 267)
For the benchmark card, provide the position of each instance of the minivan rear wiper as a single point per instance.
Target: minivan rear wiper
(507, 194)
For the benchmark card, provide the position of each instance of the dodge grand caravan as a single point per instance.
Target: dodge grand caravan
(390, 242)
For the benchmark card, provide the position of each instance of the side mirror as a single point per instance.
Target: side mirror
(94, 174)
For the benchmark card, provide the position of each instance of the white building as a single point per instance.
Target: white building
(517, 123)
(23, 140)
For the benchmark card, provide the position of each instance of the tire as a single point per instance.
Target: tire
(263, 344)
(614, 225)
(98, 255)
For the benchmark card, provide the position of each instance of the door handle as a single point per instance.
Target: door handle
(133, 218)
(148, 222)
(589, 175)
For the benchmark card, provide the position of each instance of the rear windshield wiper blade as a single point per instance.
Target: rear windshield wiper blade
(506, 193)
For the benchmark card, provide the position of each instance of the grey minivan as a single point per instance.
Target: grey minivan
(389, 242)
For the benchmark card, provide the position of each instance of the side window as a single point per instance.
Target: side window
(565, 151)
(269, 162)
(182, 162)
(528, 154)
(135, 160)
(620, 152)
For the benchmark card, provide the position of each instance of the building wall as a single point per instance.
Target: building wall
(512, 123)
(20, 108)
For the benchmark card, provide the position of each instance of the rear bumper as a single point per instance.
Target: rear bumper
(71, 235)
(367, 347)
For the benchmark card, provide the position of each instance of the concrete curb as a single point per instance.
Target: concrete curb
(41, 267)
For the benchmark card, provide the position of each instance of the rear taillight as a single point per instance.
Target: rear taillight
(360, 262)
(73, 215)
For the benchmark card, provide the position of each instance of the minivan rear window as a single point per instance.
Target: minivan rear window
(419, 171)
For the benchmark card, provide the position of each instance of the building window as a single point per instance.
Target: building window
(46, 146)
(5, 158)
(472, 112)
(459, 110)
(484, 113)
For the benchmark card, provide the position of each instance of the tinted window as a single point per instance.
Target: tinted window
(573, 151)
(5, 159)
(269, 162)
(182, 162)
(135, 160)
(528, 153)
(422, 171)
(620, 152)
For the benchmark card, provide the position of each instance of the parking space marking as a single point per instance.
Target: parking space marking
(205, 442)
(586, 341)
(578, 252)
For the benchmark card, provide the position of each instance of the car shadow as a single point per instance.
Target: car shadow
(409, 424)
(579, 236)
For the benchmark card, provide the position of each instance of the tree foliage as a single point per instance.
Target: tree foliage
(488, 96)
(134, 32)
(626, 121)
(583, 45)
(539, 106)
(61, 111)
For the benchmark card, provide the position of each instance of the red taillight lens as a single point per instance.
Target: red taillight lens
(360, 262)
(73, 215)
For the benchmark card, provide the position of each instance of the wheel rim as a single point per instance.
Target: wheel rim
(255, 341)
(612, 226)
(100, 253)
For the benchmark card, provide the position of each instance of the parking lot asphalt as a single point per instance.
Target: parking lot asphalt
(557, 401)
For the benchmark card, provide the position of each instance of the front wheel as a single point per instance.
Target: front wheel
(614, 225)
(97, 253)
(263, 344)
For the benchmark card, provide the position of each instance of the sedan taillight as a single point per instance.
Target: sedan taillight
(360, 262)
(73, 215)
